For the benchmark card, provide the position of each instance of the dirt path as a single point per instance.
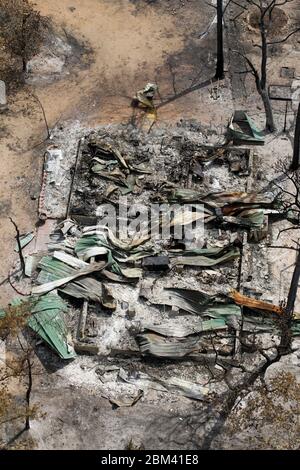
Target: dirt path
(132, 43)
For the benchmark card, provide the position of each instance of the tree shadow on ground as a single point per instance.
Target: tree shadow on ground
(186, 91)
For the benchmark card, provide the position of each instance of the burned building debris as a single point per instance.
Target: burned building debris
(151, 294)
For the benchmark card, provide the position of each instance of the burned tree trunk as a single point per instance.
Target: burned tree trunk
(294, 286)
(28, 394)
(24, 65)
(22, 261)
(286, 322)
(262, 85)
(220, 47)
(270, 124)
(296, 153)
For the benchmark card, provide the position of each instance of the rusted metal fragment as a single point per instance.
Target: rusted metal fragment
(245, 301)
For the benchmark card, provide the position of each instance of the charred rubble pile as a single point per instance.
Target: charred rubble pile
(147, 298)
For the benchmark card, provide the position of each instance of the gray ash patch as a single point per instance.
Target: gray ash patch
(178, 156)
